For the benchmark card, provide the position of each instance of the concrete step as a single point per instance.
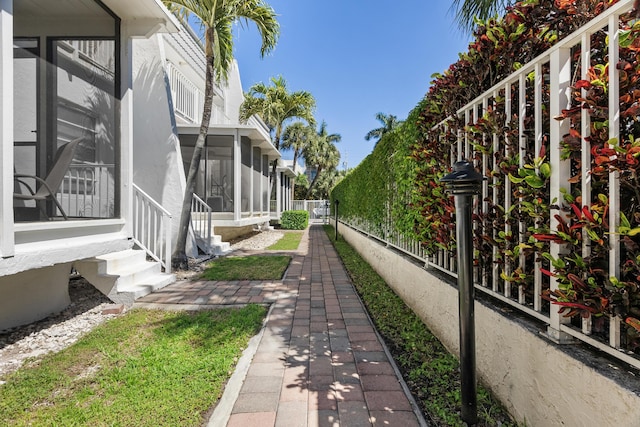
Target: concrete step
(128, 294)
(222, 248)
(215, 246)
(124, 276)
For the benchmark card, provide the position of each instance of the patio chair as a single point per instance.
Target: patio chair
(50, 184)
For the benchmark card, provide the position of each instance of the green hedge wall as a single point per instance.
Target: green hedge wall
(382, 191)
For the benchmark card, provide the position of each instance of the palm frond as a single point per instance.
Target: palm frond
(467, 11)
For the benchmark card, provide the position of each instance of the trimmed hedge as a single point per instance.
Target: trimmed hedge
(294, 220)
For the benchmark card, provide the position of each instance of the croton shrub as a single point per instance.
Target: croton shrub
(398, 187)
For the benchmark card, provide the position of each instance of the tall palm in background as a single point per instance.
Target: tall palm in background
(467, 10)
(296, 137)
(389, 123)
(217, 18)
(329, 179)
(322, 153)
(276, 105)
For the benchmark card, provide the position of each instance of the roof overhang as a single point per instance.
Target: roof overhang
(286, 167)
(259, 136)
(144, 17)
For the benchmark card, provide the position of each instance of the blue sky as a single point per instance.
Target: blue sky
(356, 57)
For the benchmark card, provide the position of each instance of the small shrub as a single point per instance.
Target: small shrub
(294, 220)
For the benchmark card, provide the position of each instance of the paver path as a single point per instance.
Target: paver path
(319, 361)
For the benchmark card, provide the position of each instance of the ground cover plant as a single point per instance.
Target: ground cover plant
(145, 368)
(247, 268)
(294, 220)
(429, 370)
(289, 242)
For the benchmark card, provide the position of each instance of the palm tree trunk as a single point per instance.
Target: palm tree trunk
(293, 181)
(179, 258)
(315, 178)
(274, 168)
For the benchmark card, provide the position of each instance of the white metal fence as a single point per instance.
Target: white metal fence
(538, 94)
(318, 209)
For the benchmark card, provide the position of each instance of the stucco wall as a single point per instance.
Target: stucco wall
(538, 382)
(33, 295)
(157, 161)
(229, 233)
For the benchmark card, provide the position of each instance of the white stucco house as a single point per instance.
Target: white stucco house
(283, 201)
(99, 103)
(233, 182)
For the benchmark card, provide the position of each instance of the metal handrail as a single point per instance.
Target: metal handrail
(201, 218)
(152, 227)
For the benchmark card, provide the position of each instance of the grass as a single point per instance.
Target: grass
(429, 370)
(289, 242)
(247, 268)
(146, 368)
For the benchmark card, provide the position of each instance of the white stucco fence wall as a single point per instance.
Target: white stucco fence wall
(538, 382)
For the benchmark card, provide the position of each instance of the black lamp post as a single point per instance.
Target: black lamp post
(463, 183)
(326, 211)
(337, 202)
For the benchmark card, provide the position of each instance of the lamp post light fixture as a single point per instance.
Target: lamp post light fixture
(326, 211)
(463, 183)
(337, 202)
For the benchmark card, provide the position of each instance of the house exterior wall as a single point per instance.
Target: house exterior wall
(36, 257)
(47, 289)
(539, 383)
(234, 94)
(158, 161)
(163, 111)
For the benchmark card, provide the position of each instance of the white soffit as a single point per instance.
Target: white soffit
(149, 15)
(145, 16)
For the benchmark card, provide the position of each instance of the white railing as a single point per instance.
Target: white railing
(201, 219)
(87, 191)
(152, 228)
(188, 100)
(98, 53)
(523, 94)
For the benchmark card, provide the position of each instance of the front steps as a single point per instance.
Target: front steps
(124, 276)
(215, 246)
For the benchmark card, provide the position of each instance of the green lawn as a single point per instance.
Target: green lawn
(145, 368)
(247, 268)
(289, 242)
(430, 371)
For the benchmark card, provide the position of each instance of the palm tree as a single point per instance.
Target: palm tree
(217, 18)
(297, 136)
(322, 153)
(389, 123)
(329, 179)
(468, 10)
(276, 105)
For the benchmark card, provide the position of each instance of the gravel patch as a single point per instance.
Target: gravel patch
(258, 241)
(57, 331)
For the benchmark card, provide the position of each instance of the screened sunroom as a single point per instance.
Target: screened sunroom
(65, 122)
(66, 110)
(233, 177)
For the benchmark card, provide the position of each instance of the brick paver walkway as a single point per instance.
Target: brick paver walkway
(319, 361)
